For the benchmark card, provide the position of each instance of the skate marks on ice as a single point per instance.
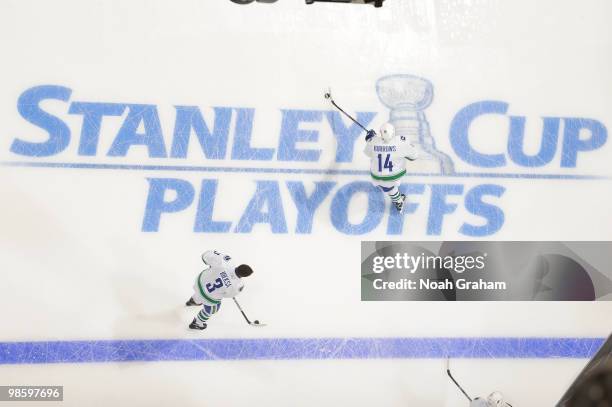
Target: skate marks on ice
(129, 350)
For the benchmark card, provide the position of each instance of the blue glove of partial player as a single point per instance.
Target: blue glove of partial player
(370, 134)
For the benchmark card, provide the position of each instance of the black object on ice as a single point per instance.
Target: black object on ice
(377, 3)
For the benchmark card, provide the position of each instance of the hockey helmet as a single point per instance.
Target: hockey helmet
(387, 132)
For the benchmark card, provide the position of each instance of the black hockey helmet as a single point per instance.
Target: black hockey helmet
(243, 270)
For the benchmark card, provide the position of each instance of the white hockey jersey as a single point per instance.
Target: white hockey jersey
(220, 280)
(388, 160)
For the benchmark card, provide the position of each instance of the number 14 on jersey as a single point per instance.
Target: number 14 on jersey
(387, 164)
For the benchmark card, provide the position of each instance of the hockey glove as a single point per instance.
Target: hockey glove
(370, 134)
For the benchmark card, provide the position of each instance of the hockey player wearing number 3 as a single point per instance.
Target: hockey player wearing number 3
(221, 280)
(388, 155)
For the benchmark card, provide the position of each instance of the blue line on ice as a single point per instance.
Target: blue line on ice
(260, 170)
(89, 351)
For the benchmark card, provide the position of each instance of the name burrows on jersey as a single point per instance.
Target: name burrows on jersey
(219, 280)
(388, 159)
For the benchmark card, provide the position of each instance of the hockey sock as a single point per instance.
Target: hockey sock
(395, 194)
(205, 313)
(202, 317)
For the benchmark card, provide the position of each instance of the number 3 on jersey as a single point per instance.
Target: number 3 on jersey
(388, 163)
(218, 284)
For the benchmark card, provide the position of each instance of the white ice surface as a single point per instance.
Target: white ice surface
(76, 266)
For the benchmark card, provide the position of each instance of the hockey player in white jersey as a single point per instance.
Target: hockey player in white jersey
(388, 155)
(221, 280)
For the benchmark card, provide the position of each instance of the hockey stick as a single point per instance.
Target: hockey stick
(448, 372)
(254, 323)
(328, 96)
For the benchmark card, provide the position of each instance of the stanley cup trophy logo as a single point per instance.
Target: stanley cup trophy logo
(408, 96)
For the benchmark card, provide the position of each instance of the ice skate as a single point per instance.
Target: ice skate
(194, 325)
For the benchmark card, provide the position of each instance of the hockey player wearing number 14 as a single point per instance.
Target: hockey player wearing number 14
(221, 280)
(388, 155)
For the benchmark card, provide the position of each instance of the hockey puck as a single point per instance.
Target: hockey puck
(256, 322)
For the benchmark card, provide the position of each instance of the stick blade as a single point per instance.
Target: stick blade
(327, 94)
